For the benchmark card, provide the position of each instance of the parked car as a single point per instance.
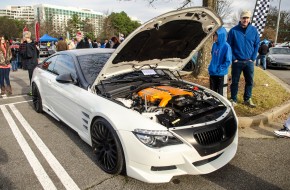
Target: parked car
(278, 57)
(43, 51)
(285, 44)
(132, 107)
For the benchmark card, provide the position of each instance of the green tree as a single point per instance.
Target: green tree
(88, 29)
(117, 23)
(74, 24)
(11, 28)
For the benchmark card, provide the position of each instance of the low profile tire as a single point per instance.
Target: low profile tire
(107, 147)
(36, 99)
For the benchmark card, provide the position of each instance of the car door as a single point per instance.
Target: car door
(46, 77)
(66, 101)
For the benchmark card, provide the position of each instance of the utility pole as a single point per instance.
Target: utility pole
(278, 21)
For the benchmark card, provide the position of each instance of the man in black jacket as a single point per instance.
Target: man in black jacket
(29, 54)
(263, 50)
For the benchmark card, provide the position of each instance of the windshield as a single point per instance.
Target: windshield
(280, 51)
(92, 64)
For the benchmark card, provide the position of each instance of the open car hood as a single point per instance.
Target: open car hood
(168, 41)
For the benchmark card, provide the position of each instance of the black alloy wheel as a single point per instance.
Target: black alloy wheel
(36, 99)
(107, 147)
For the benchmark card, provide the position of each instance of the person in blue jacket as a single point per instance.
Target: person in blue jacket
(244, 40)
(221, 59)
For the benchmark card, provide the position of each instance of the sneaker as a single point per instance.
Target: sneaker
(249, 103)
(234, 103)
(282, 132)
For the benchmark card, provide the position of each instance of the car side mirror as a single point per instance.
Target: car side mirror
(65, 78)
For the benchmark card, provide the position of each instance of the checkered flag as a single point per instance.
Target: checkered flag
(260, 15)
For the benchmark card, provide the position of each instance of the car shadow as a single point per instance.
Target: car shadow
(277, 68)
(5, 182)
(25, 88)
(233, 177)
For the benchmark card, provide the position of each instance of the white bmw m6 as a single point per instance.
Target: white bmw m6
(132, 106)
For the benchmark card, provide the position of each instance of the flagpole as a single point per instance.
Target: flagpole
(278, 21)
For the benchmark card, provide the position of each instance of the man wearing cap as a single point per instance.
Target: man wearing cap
(244, 41)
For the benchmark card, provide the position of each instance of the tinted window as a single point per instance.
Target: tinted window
(49, 64)
(65, 64)
(91, 65)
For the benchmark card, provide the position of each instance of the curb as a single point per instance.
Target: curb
(268, 116)
(264, 118)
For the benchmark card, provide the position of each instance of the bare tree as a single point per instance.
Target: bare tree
(235, 18)
(223, 8)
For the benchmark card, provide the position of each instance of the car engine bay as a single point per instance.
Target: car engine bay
(163, 99)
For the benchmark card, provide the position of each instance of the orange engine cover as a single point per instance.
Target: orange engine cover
(163, 93)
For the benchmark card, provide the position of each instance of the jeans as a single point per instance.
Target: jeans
(216, 83)
(14, 65)
(258, 60)
(263, 61)
(4, 75)
(247, 67)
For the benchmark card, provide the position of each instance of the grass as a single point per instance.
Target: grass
(267, 93)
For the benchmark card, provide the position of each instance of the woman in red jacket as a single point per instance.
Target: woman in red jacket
(5, 56)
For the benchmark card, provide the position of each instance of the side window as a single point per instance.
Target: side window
(49, 64)
(65, 64)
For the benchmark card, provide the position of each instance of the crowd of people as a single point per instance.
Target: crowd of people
(85, 42)
(238, 48)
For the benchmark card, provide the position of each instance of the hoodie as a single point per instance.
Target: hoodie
(221, 55)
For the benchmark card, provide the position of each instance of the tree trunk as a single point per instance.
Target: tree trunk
(209, 3)
(205, 56)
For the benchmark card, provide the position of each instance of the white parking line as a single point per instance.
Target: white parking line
(4, 96)
(67, 181)
(39, 171)
(16, 103)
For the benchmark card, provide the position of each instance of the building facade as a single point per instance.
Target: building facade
(25, 13)
(57, 15)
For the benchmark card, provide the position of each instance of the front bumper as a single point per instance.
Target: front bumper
(278, 64)
(160, 165)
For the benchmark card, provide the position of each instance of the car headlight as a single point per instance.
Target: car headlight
(156, 138)
(272, 59)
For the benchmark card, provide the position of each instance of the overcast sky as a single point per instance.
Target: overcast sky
(137, 9)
